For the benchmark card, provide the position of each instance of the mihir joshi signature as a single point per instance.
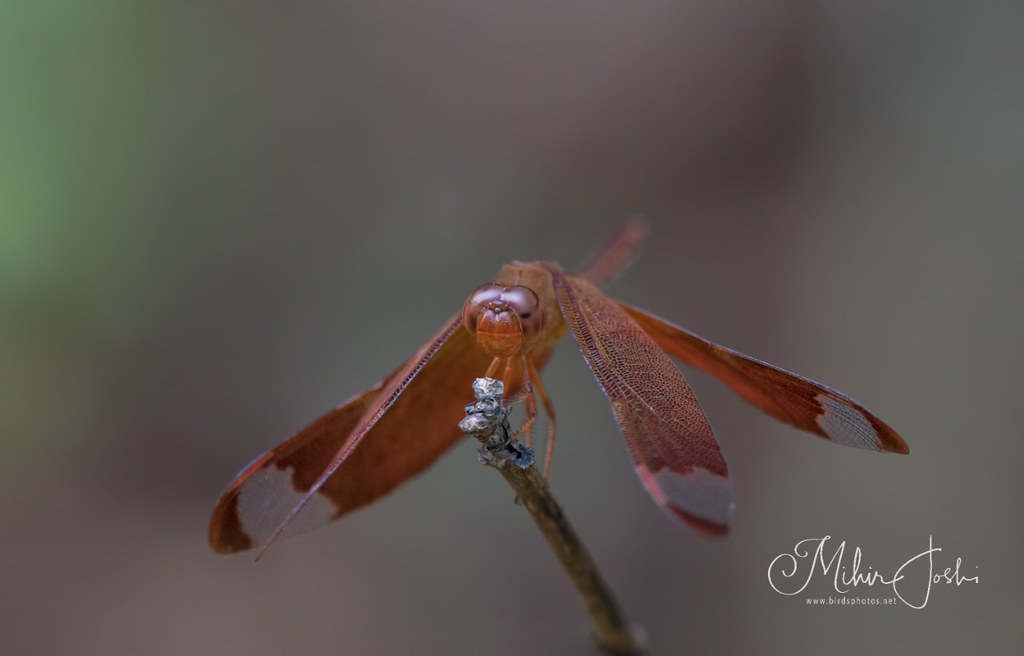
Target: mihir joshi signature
(912, 582)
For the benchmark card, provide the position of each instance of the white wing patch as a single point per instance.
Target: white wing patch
(268, 495)
(700, 493)
(846, 425)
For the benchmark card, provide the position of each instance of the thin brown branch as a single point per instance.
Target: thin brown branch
(487, 420)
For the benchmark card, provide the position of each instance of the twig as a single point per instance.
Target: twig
(487, 420)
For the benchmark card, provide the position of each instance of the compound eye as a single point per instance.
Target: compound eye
(524, 302)
(477, 302)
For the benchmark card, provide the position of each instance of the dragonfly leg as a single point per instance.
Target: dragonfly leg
(526, 393)
(493, 369)
(549, 408)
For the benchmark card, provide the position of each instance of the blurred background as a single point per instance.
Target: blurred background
(220, 219)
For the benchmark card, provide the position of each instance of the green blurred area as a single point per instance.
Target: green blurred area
(75, 182)
(125, 140)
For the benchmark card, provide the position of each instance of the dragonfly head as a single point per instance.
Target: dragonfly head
(504, 319)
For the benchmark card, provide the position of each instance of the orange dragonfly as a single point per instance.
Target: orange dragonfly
(381, 438)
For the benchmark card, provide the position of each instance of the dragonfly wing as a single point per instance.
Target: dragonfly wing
(790, 398)
(387, 434)
(673, 447)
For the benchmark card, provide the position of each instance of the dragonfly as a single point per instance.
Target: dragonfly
(378, 440)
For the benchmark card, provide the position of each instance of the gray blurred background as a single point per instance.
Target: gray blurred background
(218, 220)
